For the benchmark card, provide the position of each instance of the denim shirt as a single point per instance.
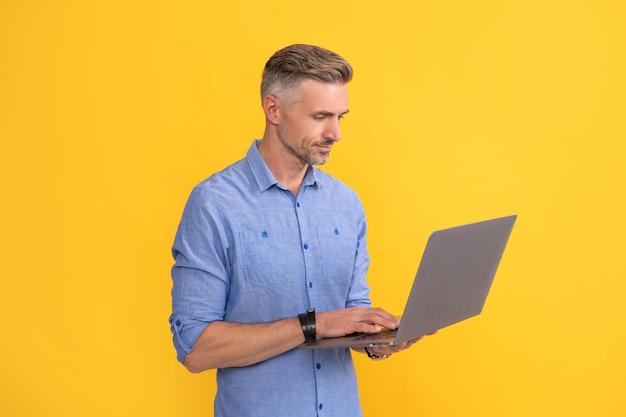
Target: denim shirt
(249, 250)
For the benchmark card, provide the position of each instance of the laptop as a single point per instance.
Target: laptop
(452, 282)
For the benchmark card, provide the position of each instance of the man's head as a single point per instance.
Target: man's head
(287, 68)
(304, 95)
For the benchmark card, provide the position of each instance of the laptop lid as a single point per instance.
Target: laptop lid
(451, 284)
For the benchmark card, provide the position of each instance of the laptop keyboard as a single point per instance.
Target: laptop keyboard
(385, 333)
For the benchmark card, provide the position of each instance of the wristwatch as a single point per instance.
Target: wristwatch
(307, 321)
(376, 357)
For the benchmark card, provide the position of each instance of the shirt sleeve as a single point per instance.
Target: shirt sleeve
(359, 288)
(200, 272)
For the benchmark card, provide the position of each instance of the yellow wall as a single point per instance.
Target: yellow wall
(461, 110)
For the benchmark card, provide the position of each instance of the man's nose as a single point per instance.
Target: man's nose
(333, 131)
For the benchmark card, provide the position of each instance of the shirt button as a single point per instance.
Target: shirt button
(321, 406)
(310, 284)
(306, 246)
(318, 366)
(298, 204)
(178, 322)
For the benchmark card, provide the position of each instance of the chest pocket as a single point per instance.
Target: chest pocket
(338, 246)
(270, 259)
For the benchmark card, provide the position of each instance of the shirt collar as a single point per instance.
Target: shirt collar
(264, 177)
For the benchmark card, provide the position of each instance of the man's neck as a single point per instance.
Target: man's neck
(286, 168)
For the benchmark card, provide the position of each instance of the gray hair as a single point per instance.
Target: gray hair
(288, 67)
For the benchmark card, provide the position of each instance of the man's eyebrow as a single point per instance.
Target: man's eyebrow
(329, 113)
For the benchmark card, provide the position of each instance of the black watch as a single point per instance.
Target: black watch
(307, 321)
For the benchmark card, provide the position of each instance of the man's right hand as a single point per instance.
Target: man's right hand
(336, 323)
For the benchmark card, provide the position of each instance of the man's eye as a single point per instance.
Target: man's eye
(325, 116)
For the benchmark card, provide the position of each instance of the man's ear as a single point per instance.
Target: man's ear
(271, 108)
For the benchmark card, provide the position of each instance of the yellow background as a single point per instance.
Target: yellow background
(460, 111)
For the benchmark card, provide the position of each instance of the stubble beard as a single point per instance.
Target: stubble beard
(309, 156)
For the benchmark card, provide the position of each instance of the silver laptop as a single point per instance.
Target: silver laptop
(451, 284)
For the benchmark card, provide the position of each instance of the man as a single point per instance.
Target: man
(269, 238)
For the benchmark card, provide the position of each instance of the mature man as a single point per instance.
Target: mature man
(268, 239)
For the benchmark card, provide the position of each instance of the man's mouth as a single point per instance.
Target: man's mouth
(325, 146)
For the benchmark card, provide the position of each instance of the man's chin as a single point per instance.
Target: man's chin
(321, 160)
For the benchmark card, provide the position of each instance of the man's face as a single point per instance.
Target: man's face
(310, 127)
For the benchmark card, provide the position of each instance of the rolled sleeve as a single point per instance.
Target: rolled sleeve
(185, 332)
(200, 278)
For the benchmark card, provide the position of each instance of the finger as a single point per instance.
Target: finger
(382, 318)
(363, 327)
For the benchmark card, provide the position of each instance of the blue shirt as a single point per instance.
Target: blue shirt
(249, 250)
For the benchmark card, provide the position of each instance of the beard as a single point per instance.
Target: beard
(308, 156)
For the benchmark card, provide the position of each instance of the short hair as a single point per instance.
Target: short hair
(288, 67)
